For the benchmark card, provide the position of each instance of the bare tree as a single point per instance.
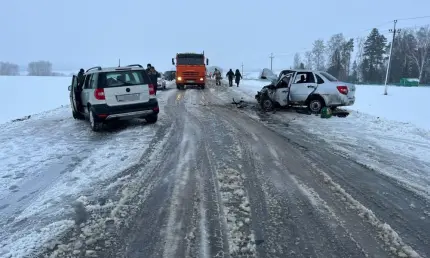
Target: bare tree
(308, 60)
(359, 56)
(419, 50)
(334, 44)
(297, 61)
(318, 52)
(40, 68)
(7, 68)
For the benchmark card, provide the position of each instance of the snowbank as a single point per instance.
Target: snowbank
(31, 95)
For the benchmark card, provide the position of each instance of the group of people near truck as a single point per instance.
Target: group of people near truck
(237, 76)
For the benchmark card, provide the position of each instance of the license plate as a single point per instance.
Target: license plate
(128, 97)
(191, 81)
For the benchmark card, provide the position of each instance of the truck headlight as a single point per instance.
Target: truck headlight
(179, 78)
(201, 79)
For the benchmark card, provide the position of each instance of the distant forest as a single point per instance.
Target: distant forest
(410, 57)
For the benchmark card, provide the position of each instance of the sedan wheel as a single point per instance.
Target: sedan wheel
(315, 105)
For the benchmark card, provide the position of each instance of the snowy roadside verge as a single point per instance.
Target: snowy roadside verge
(50, 161)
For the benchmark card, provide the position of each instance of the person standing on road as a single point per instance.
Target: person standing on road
(237, 76)
(80, 77)
(217, 75)
(80, 84)
(230, 75)
(153, 75)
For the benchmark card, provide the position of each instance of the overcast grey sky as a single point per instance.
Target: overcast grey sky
(82, 33)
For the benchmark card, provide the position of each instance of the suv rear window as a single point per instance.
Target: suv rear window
(329, 77)
(122, 78)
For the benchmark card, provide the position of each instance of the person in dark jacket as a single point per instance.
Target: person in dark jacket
(237, 76)
(81, 77)
(230, 76)
(80, 84)
(153, 75)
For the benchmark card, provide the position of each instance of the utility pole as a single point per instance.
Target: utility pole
(271, 60)
(119, 62)
(394, 31)
(242, 68)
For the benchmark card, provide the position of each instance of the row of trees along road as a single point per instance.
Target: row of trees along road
(410, 56)
(37, 68)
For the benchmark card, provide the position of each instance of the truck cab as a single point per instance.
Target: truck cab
(190, 70)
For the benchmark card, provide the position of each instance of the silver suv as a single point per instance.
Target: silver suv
(108, 94)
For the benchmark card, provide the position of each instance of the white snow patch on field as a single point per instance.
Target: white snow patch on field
(32, 95)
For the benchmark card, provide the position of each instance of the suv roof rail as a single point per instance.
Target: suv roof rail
(132, 65)
(95, 67)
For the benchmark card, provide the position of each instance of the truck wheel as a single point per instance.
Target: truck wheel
(202, 87)
(266, 103)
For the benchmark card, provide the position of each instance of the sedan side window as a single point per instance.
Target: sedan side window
(319, 79)
(304, 77)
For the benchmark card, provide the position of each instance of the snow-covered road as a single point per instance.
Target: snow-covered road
(210, 180)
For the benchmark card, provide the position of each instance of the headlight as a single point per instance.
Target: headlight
(179, 78)
(201, 79)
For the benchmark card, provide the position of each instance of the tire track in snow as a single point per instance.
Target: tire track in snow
(187, 152)
(287, 220)
(224, 154)
(385, 232)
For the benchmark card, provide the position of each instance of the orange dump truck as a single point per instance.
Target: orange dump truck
(190, 69)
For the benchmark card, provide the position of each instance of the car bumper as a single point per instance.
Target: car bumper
(105, 112)
(190, 82)
(338, 100)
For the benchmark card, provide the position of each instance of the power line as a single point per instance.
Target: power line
(414, 18)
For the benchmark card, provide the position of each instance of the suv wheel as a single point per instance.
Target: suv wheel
(77, 115)
(95, 125)
(151, 119)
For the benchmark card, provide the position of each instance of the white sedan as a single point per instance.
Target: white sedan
(161, 83)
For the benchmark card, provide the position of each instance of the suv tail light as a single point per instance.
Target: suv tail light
(343, 90)
(151, 89)
(99, 94)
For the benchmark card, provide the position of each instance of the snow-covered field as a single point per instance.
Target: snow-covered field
(31, 95)
(56, 158)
